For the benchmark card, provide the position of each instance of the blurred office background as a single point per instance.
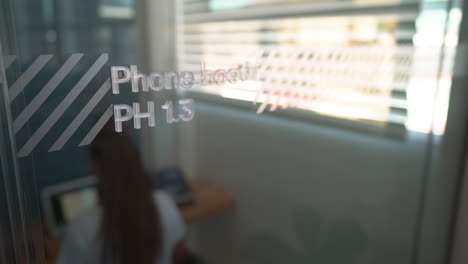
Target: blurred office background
(367, 171)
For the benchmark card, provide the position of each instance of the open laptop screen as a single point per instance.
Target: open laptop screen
(68, 205)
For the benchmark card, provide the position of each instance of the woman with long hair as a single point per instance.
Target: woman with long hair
(131, 225)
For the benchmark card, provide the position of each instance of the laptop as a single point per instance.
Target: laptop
(63, 202)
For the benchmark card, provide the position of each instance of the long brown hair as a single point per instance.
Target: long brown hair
(130, 226)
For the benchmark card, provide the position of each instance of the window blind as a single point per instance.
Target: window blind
(348, 59)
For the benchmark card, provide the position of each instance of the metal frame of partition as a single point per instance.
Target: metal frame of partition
(14, 233)
(459, 232)
(18, 244)
(443, 191)
(458, 252)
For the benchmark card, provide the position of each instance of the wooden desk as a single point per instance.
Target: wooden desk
(208, 200)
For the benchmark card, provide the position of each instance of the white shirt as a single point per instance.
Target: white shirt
(81, 244)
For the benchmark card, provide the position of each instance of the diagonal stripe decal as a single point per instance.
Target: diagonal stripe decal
(39, 99)
(28, 75)
(63, 106)
(81, 116)
(97, 127)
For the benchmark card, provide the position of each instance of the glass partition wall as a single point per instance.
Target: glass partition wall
(337, 127)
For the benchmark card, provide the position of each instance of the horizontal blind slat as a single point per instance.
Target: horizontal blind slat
(302, 10)
(225, 38)
(406, 17)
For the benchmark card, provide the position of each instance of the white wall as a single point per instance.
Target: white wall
(296, 182)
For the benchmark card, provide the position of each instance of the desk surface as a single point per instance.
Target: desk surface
(208, 200)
